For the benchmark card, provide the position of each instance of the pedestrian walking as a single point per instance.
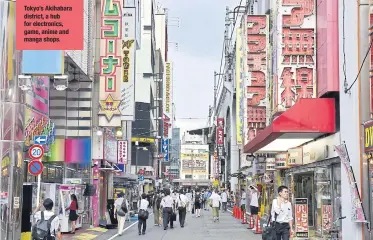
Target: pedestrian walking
(182, 203)
(156, 208)
(224, 200)
(254, 204)
(215, 205)
(143, 214)
(47, 224)
(282, 214)
(197, 204)
(121, 208)
(167, 206)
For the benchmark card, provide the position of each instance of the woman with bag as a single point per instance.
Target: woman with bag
(143, 214)
(121, 207)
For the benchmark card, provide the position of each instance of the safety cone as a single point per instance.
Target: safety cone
(239, 213)
(251, 222)
(244, 221)
(234, 211)
(258, 229)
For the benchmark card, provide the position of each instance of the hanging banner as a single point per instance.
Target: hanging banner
(165, 149)
(239, 88)
(357, 211)
(301, 217)
(368, 136)
(168, 87)
(127, 94)
(110, 63)
(220, 131)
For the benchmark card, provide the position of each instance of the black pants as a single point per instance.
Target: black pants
(182, 215)
(167, 212)
(224, 206)
(142, 224)
(282, 231)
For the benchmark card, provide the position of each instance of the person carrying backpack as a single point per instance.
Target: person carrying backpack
(121, 206)
(47, 226)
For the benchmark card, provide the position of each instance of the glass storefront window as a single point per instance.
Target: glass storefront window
(323, 199)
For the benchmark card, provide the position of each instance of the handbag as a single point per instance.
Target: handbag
(143, 214)
(123, 210)
(269, 232)
(182, 205)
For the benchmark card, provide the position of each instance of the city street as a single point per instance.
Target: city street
(195, 228)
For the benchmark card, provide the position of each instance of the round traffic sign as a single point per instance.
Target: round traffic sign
(36, 152)
(35, 167)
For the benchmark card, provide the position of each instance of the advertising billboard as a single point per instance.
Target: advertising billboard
(110, 63)
(168, 89)
(220, 131)
(127, 104)
(194, 163)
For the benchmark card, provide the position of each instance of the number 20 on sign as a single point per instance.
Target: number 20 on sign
(36, 152)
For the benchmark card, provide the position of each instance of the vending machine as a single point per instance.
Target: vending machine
(65, 191)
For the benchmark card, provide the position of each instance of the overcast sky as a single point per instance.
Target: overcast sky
(200, 41)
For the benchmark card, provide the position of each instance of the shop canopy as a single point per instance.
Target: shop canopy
(308, 119)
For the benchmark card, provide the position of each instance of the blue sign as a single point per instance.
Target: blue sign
(141, 178)
(41, 140)
(42, 62)
(165, 148)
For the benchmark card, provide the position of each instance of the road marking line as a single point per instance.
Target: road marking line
(133, 224)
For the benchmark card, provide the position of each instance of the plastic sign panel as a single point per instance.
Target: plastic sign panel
(220, 131)
(122, 152)
(36, 152)
(49, 25)
(301, 218)
(110, 63)
(165, 148)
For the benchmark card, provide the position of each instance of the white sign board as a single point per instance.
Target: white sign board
(122, 152)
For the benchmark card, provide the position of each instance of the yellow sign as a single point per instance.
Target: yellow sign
(109, 108)
(126, 47)
(368, 136)
(240, 87)
(143, 140)
(168, 87)
(110, 62)
(190, 156)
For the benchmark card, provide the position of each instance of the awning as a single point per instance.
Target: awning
(308, 119)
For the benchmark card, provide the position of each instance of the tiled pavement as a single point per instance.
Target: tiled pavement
(202, 228)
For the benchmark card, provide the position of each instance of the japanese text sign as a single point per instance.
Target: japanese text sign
(301, 217)
(122, 152)
(220, 131)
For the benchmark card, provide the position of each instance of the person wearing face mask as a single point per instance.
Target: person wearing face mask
(282, 214)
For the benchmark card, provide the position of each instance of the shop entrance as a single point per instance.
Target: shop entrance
(304, 188)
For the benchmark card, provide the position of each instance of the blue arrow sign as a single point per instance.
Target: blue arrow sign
(40, 139)
(165, 149)
(141, 178)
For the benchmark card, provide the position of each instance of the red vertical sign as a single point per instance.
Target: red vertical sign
(301, 218)
(220, 131)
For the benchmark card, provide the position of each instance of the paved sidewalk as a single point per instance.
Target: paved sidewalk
(202, 228)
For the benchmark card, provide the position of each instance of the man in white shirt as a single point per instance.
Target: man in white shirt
(282, 214)
(215, 202)
(118, 207)
(48, 213)
(254, 204)
(224, 199)
(167, 204)
(143, 208)
(182, 203)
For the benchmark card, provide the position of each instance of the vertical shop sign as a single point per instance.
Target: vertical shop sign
(239, 90)
(110, 62)
(122, 152)
(281, 160)
(127, 94)
(327, 211)
(165, 148)
(220, 131)
(301, 217)
(357, 210)
(168, 88)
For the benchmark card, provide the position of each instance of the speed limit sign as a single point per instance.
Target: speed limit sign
(36, 152)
